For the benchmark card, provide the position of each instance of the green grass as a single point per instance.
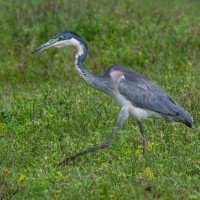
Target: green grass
(47, 112)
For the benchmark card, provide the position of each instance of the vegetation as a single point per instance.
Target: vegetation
(47, 112)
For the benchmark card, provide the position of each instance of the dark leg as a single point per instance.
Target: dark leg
(144, 138)
(122, 116)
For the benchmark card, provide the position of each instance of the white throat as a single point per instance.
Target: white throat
(72, 42)
(77, 44)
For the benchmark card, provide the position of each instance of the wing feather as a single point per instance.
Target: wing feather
(143, 93)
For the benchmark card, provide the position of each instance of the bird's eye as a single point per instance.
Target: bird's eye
(61, 38)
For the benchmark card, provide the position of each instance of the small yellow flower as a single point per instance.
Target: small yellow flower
(59, 174)
(139, 150)
(151, 145)
(149, 174)
(21, 177)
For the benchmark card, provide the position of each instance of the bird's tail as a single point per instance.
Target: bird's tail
(186, 117)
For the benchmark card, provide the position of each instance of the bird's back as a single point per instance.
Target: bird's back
(146, 95)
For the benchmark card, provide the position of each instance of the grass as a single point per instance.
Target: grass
(47, 112)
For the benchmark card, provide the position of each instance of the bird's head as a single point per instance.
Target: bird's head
(65, 38)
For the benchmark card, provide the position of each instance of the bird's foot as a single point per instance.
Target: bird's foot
(66, 161)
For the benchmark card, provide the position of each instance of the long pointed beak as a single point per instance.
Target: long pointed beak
(45, 46)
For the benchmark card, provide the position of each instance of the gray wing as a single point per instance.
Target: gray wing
(143, 93)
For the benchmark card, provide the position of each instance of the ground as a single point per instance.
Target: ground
(47, 112)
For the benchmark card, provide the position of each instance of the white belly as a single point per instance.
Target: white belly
(139, 113)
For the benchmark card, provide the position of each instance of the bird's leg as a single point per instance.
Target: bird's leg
(144, 137)
(122, 116)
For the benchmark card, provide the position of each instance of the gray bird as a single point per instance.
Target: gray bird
(135, 94)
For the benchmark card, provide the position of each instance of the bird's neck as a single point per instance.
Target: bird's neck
(95, 81)
(81, 54)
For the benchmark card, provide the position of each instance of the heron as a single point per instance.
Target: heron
(135, 94)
